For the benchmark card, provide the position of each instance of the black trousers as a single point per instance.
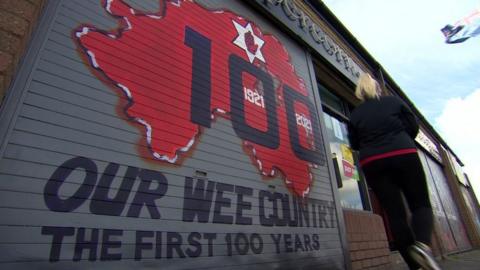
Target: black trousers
(391, 177)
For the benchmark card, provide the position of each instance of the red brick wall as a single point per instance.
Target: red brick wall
(367, 241)
(17, 19)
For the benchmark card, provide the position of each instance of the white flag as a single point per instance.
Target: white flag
(464, 29)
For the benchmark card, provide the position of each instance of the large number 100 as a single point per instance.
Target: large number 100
(201, 100)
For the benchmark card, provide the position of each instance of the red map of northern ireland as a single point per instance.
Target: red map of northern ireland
(149, 60)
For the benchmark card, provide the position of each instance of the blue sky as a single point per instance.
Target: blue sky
(442, 80)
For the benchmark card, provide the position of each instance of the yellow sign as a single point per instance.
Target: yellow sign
(347, 153)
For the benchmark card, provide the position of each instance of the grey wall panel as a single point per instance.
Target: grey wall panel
(100, 141)
(71, 148)
(45, 162)
(237, 262)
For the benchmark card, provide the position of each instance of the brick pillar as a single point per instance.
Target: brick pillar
(368, 243)
(18, 18)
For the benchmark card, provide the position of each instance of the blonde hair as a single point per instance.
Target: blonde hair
(367, 87)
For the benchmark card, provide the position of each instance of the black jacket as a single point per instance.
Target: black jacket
(379, 126)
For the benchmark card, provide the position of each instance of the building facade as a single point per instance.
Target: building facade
(196, 135)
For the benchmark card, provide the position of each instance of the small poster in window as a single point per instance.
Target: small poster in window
(348, 169)
(347, 153)
(328, 122)
(337, 130)
(356, 176)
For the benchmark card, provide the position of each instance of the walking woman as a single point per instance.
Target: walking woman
(383, 129)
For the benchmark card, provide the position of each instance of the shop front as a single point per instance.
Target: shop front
(194, 135)
(451, 235)
(171, 134)
(336, 48)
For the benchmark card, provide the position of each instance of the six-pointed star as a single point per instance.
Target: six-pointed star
(240, 41)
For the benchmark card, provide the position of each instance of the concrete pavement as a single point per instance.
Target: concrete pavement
(469, 260)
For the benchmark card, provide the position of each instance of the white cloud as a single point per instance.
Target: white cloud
(459, 126)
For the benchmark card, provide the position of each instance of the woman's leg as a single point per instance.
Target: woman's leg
(380, 177)
(411, 178)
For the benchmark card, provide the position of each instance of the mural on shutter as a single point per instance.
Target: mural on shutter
(181, 69)
(166, 134)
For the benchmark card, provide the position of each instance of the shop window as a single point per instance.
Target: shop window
(351, 184)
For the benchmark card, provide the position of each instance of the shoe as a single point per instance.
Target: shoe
(422, 254)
